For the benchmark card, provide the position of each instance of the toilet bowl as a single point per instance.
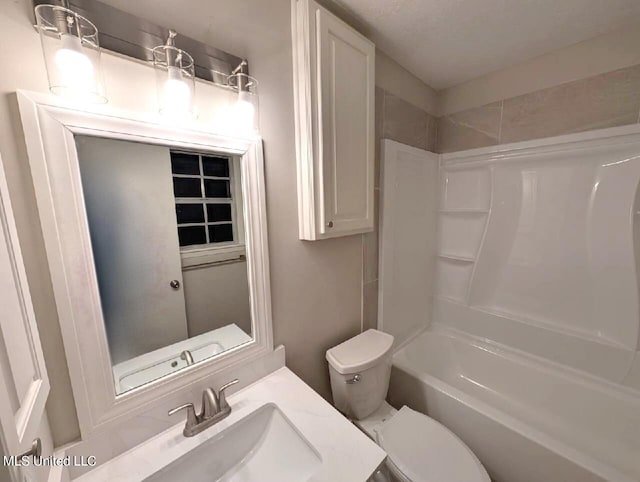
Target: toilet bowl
(419, 449)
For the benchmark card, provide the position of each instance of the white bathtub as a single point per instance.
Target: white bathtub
(526, 419)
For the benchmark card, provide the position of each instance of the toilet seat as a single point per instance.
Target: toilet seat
(424, 450)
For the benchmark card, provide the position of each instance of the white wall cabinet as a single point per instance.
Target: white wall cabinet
(334, 77)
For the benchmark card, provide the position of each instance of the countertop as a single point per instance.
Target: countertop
(347, 454)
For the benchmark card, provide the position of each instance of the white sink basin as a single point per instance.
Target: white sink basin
(263, 446)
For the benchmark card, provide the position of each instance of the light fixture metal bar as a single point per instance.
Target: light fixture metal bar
(135, 37)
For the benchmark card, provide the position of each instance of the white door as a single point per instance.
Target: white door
(24, 384)
(128, 193)
(347, 82)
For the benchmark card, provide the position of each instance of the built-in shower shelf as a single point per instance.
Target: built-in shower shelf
(463, 211)
(451, 299)
(453, 257)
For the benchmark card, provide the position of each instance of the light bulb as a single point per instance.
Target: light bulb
(244, 113)
(74, 67)
(176, 95)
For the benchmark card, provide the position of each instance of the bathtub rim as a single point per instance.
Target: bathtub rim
(521, 356)
(578, 457)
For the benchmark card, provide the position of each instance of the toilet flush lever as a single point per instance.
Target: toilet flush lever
(355, 379)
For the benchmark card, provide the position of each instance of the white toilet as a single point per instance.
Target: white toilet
(419, 448)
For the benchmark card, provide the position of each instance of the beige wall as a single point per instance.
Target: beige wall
(216, 296)
(316, 286)
(26, 71)
(393, 78)
(604, 100)
(612, 51)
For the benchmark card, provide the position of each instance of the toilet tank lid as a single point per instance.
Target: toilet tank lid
(360, 352)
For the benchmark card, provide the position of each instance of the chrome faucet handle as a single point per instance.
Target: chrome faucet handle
(192, 419)
(222, 399)
(210, 405)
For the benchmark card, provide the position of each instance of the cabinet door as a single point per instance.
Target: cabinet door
(347, 82)
(24, 384)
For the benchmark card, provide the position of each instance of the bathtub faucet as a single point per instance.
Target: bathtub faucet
(187, 356)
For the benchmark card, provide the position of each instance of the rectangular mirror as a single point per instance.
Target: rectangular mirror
(168, 239)
(157, 247)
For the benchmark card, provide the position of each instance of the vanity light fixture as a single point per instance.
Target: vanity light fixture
(71, 53)
(244, 115)
(175, 79)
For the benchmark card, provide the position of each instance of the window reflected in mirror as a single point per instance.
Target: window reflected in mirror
(168, 241)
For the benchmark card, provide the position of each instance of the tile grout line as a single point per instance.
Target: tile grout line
(426, 133)
(362, 289)
(500, 124)
(384, 118)
(364, 282)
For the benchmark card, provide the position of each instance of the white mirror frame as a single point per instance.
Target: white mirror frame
(49, 128)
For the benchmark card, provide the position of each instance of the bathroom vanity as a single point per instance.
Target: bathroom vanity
(279, 429)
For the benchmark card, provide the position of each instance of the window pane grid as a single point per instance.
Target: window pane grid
(212, 223)
(204, 194)
(219, 222)
(195, 176)
(201, 200)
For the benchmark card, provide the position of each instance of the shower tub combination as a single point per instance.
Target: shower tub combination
(529, 347)
(525, 419)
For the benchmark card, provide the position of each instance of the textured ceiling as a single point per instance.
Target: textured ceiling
(446, 42)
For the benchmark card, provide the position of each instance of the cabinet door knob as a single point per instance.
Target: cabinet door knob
(175, 284)
(330, 224)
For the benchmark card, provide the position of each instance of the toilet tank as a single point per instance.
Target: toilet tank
(360, 369)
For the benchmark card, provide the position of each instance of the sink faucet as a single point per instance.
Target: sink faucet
(214, 408)
(187, 356)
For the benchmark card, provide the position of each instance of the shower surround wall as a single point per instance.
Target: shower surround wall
(404, 122)
(537, 245)
(606, 100)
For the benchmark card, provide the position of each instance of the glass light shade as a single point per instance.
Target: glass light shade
(245, 119)
(175, 81)
(71, 54)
